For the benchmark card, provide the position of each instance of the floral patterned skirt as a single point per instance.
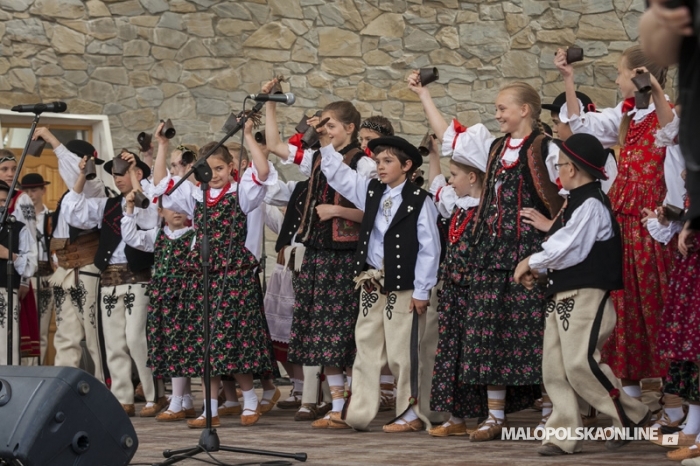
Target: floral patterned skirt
(239, 337)
(632, 351)
(682, 380)
(679, 337)
(504, 331)
(325, 312)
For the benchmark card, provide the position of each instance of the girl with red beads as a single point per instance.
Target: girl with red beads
(501, 360)
(632, 351)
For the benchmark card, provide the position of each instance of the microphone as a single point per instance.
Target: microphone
(55, 107)
(287, 98)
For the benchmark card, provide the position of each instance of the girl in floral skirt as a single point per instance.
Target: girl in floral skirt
(239, 342)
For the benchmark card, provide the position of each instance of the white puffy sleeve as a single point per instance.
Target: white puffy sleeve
(27, 256)
(346, 181)
(611, 171)
(181, 200)
(302, 158)
(252, 190)
(143, 240)
(367, 167)
(444, 196)
(663, 234)
(82, 212)
(280, 193)
(674, 164)
(604, 125)
(667, 136)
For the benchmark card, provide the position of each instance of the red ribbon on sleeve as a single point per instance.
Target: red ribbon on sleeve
(628, 105)
(368, 152)
(296, 142)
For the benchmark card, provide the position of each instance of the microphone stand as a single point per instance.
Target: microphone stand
(7, 221)
(209, 440)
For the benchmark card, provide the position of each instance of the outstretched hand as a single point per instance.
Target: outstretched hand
(566, 70)
(415, 85)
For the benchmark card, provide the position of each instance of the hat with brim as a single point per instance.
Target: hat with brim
(139, 164)
(33, 180)
(403, 145)
(83, 148)
(587, 153)
(586, 103)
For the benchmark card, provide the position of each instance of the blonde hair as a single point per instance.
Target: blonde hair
(634, 58)
(237, 150)
(525, 94)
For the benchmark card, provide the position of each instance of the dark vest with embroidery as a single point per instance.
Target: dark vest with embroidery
(292, 217)
(4, 237)
(337, 233)
(111, 236)
(602, 269)
(401, 238)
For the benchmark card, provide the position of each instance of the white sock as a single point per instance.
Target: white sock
(231, 404)
(187, 401)
(298, 385)
(250, 401)
(497, 413)
(386, 379)
(635, 391)
(408, 417)
(175, 404)
(692, 422)
(214, 408)
(268, 394)
(455, 420)
(337, 380)
(150, 404)
(179, 386)
(349, 379)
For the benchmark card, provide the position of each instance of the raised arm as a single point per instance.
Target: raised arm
(256, 154)
(272, 133)
(661, 32)
(435, 119)
(346, 181)
(160, 168)
(434, 168)
(567, 72)
(44, 133)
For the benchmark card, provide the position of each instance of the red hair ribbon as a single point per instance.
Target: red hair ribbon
(628, 105)
(296, 142)
(459, 129)
(235, 175)
(368, 152)
(591, 108)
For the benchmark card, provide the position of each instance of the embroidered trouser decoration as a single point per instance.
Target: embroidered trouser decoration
(383, 336)
(5, 320)
(43, 295)
(76, 317)
(571, 364)
(124, 312)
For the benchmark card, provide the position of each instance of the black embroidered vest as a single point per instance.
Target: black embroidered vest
(73, 232)
(111, 236)
(292, 217)
(602, 269)
(401, 238)
(4, 236)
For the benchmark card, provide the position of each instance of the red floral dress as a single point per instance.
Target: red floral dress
(632, 350)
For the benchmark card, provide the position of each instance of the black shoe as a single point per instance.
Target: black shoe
(614, 444)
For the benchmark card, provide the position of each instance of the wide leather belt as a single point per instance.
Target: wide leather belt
(77, 254)
(119, 274)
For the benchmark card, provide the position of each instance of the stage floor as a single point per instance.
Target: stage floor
(278, 431)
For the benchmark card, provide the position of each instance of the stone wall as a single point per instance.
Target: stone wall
(195, 60)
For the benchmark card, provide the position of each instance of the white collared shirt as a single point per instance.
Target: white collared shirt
(353, 187)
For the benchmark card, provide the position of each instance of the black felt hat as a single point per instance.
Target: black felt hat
(139, 164)
(400, 143)
(33, 180)
(587, 153)
(82, 148)
(588, 105)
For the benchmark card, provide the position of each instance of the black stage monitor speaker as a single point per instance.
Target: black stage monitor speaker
(56, 416)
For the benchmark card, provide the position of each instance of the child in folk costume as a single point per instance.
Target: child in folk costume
(171, 323)
(583, 261)
(396, 263)
(76, 280)
(325, 311)
(457, 201)
(34, 186)
(239, 339)
(632, 351)
(23, 256)
(125, 272)
(504, 321)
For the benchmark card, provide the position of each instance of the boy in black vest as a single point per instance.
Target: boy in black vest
(396, 262)
(125, 272)
(24, 261)
(583, 261)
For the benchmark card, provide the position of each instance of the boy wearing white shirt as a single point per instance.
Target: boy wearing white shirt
(396, 262)
(583, 257)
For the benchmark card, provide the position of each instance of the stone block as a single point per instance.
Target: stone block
(155, 6)
(199, 24)
(23, 78)
(56, 88)
(66, 40)
(29, 31)
(108, 47)
(343, 66)
(234, 27)
(192, 49)
(137, 48)
(178, 106)
(520, 64)
(386, 25)
(97, 9)
(139, 79)
(587, 7)
(203, 63)
(286, 8)
(150, 96)
(367, 92)
(139, 120)
(336, 42)
(112, 75)
(271, 36)
(448, 37)
(170, 20)
(15, 5)
(167, 70)
(49, 70)
(485, 40)
(419, 41)
(304, 52)
(127, 8)
(166, 37)
(69, 9)
(602, 26)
